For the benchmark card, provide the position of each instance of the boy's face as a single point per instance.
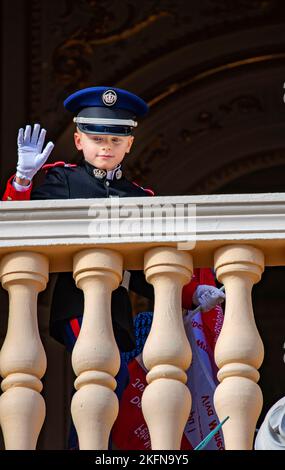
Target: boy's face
(103, 151)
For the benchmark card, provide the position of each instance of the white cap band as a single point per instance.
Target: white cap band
(106, 122)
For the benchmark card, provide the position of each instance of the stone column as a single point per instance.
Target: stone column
(22, 357)
(166, 401)
(239, 350)
(96, 358)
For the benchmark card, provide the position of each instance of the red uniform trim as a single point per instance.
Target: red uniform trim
(11, 194)
(74, 323)
(47, 166)
(147, 190)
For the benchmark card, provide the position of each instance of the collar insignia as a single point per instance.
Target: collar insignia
(100, 174)
(119, 174)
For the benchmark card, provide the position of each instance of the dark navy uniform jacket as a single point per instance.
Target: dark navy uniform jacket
(76, 182)
(73, 182)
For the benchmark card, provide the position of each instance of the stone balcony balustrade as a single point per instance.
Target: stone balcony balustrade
(96, 239)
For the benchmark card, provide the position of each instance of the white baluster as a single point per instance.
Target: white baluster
(239, 350)
(166, 401)
(22, 359)
(96, 357)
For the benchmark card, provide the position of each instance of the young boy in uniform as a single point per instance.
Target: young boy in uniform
(105, 118)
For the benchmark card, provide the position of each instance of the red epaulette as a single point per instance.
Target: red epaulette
(55, 164)
(147, 190)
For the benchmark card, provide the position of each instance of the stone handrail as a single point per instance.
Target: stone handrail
(165, 236)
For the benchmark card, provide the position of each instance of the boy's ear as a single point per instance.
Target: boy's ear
(77, 140)
(131, 140)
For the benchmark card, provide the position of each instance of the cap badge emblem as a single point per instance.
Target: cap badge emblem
(109, 97)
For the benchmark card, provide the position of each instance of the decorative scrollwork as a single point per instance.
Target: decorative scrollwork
(227, 174)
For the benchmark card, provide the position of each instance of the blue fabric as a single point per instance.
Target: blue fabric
(68, 334)
(142, 326)
(92, 97)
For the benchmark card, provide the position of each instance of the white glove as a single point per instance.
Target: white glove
(30, 155)
(208, 297)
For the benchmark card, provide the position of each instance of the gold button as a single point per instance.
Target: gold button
(9, 198)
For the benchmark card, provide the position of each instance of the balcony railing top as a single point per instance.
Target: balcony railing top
(60, 228)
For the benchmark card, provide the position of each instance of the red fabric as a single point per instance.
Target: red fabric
(147, 190)
(211, 327)
(74, 323)
(11, 194)
(130, 417)
(189, 289)
(47, 166)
